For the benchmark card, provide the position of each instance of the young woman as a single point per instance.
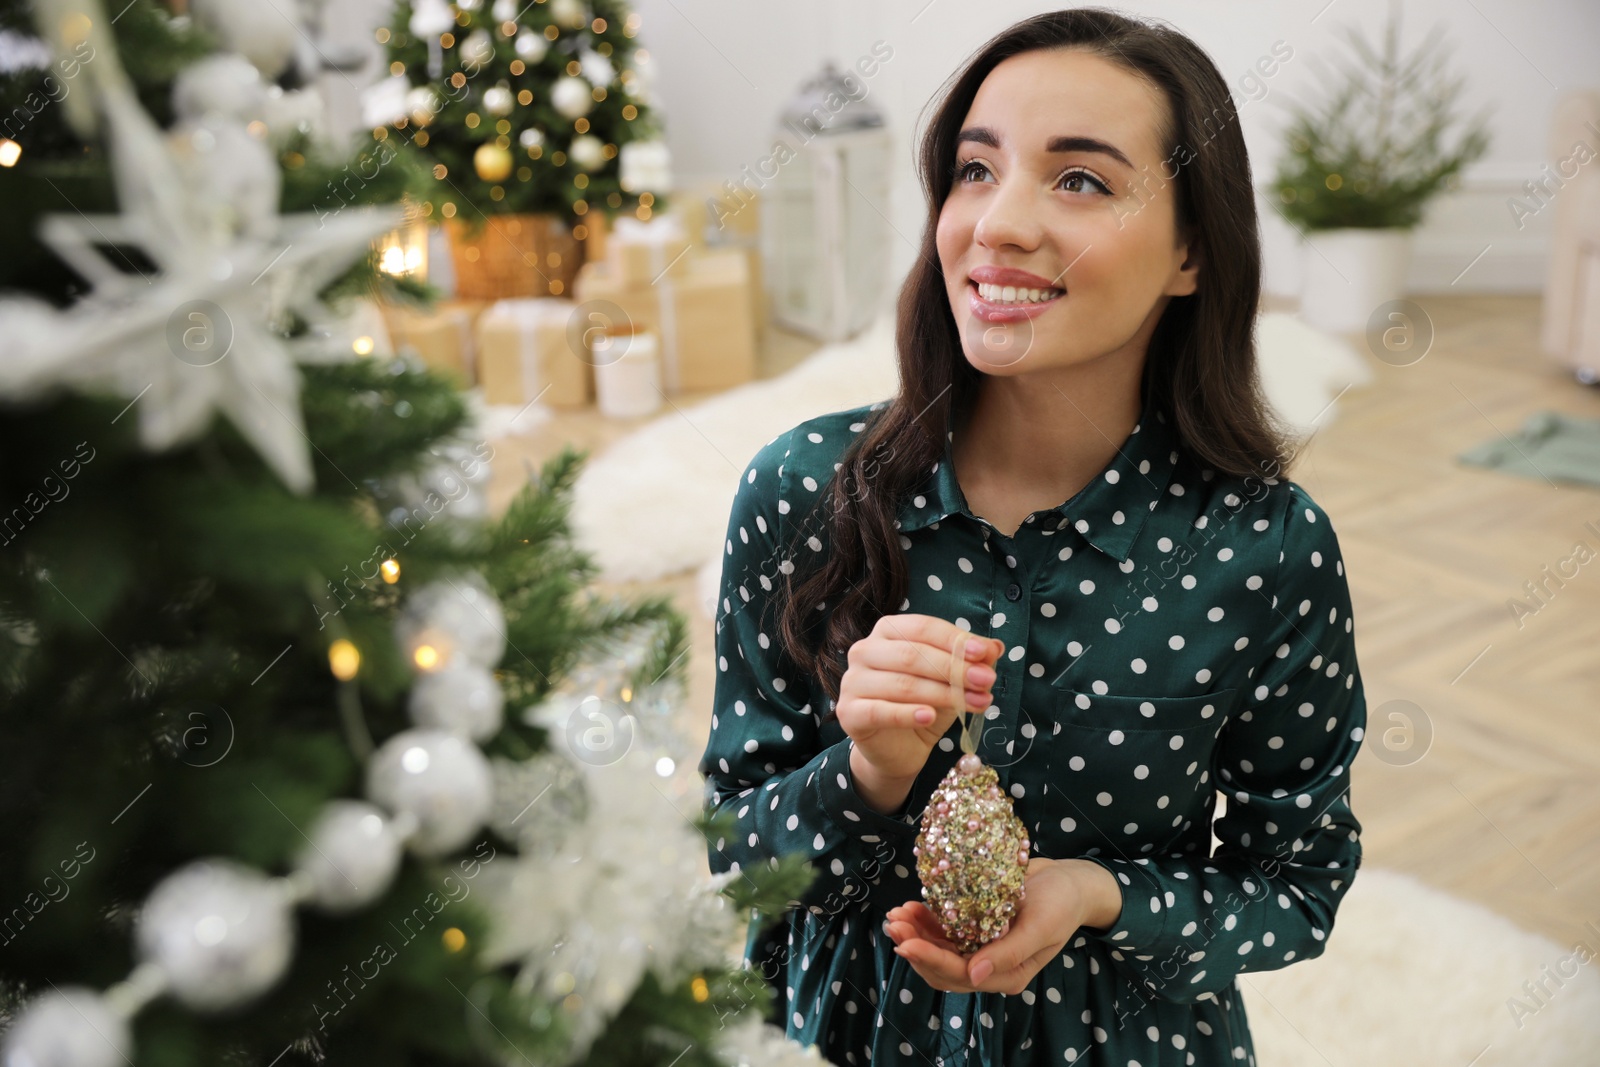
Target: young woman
(1080, 471)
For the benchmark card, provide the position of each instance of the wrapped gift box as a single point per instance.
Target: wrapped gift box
(713, 214)
(525, 353)
(704, 321)
(716, 217)
(442, 336)
(641, 253)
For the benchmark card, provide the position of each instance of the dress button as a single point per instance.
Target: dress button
(1013, 591)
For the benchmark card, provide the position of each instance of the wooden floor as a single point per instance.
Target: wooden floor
(1503, 806)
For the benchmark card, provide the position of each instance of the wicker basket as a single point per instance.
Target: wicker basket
(514, 256)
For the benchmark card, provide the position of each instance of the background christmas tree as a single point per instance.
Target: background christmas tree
(263, 658)
(523, 107)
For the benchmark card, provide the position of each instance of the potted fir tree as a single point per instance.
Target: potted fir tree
(1361, 167)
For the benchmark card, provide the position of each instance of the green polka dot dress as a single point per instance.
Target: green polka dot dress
(1171, 633)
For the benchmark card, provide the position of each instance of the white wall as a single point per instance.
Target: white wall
(727, 67)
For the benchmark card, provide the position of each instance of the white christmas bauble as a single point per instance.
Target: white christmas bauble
(645, 166)
(532, 137)
(295, 112)
(497, 99)
(263, 31)
(351, 855)
(422, 104)
(231, 178)
(461, 697)
(455, 616)
(71, 1026)
(505, 10)
(438, 778)
(573, 14)
(430, 18)
(587, 152)
(469, 5)
(531, 47)
(222, 932)
(225, 84)
(477, 49)
(572, 97)
(596, 68)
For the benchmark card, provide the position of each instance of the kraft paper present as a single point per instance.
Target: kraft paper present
(525, 353)
(644, 252)
(704, 321)
(718, 213)
(441, 336)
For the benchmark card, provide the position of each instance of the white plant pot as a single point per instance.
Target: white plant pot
(1349, 274)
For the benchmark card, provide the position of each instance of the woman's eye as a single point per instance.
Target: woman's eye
(965, 169)
(1073, 181)
(1081, 176)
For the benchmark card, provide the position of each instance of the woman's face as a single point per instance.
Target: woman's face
(1060, 174)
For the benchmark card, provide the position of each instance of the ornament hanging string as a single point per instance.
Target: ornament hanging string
(958, 689)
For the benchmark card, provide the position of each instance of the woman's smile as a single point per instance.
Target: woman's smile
(1008, 304)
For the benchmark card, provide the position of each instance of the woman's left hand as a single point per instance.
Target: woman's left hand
(1055, 906)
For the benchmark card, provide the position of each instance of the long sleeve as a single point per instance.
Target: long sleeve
(1289, 841)
(765, 759)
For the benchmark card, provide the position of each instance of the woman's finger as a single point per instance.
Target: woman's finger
(928, 927)
(943, 965)
(999, 981)
(928, 661)
(898, 687)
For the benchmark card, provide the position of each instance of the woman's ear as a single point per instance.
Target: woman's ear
(1186, 278)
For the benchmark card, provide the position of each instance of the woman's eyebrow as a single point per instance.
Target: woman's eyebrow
(985, 136)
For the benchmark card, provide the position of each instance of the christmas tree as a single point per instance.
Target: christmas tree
(523, 107)
(270, 790)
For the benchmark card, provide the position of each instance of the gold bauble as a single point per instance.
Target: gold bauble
(492, 162)
(972, 856)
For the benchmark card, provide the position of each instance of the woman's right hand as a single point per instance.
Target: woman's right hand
(902, 668)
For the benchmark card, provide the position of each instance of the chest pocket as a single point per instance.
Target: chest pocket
(1128, 770)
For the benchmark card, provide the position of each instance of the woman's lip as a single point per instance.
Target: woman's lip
(989, 311)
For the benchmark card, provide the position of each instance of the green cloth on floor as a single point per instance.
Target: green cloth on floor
(1550, 445)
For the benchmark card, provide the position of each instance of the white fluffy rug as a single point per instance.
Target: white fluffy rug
(1414, 977)
(676, 476)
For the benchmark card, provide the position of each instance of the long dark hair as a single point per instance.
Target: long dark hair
(1200, 367)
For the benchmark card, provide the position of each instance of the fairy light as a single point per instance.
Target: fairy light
(454, 939)
(344, 659)
(390, 569)
(10, 152)
(362, 346)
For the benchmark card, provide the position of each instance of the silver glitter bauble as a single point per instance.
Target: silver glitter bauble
(461, 697)
(351, 855)
(222, 932)
(454, 616)
(440, 779)
(71, 1026)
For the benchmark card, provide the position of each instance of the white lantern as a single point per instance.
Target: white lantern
(824, 234)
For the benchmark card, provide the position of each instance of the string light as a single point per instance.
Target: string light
(454, 940)
(390, 569)
(344, 659)
(362, 346)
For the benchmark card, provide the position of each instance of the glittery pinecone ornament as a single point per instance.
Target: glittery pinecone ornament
(972, 851)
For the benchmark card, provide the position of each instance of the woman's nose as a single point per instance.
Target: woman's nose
(1010, 216)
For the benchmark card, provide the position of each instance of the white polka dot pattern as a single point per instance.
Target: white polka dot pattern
(1171, 632)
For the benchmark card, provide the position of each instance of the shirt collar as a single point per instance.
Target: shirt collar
(1109, 511)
